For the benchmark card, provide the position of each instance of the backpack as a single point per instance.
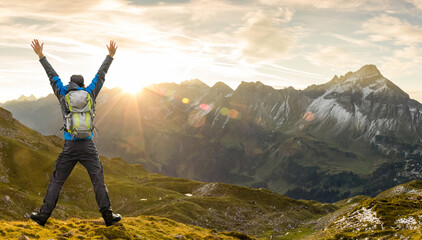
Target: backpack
(80, 119)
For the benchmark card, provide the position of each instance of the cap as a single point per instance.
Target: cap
(78, 79)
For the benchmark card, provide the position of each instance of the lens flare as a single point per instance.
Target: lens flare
(196, 120)
(224, 111)
(185, 100)
(204, 107)
(309, 116)
(233, 114)
(259, 122)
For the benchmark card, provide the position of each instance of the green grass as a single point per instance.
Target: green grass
(28, 161)
(142, 227)
(298, 233)
(390, 208)
(234, 212)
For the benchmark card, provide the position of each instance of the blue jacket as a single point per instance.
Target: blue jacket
(60, 90)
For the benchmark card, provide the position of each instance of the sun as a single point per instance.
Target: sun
(133, 71)
(131, 89)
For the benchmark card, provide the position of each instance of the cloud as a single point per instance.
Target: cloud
(387, 28)
(410, 53)
(354, 41)
(416, 3)
(403, 56)
(265, 38)
(231, 31)
(49, 7)
(317, 3)
(205, 10)
(335, 57)
(392, 6)
(193, 36)
(404, 62)
(394, 68)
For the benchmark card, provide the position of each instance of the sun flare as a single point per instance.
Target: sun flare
(131, 90)
(134, 71)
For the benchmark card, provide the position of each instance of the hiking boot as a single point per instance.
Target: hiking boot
(111, 218)
(40, 218)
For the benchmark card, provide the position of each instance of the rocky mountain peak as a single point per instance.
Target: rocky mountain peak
(221, 89)
(25, 98)
(221, 85)
(335, 79)
(368, 71)
(366, 75)
(254, 90)
(368, 79)
(254, 85)
(194, 83)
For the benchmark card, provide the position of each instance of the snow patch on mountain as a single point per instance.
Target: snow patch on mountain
(360, 120)
(356, 84)
(340, 102)
(366, 91)
(362, 219)
(407, 223)
(329, 108)
(367, 215)
(325, 108)
(379, 86)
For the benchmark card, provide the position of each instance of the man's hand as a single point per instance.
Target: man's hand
(112, 48)
(38, 48)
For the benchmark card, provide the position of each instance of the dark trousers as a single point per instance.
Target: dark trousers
(74, 151)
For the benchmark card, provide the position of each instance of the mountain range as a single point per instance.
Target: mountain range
(155, 206)
(27, 161)
(356, 134)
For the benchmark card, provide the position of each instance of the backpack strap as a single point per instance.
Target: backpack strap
(68, 102)
(77, 121)
(89, 101)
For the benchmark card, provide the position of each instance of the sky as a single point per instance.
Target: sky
(280, 43)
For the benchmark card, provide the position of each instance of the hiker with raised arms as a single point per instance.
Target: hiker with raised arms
(78, 105)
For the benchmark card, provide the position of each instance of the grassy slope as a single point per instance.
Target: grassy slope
(393, 214)
(142, 227)
(27, 161)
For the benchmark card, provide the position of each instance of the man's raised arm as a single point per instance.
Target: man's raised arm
(98, 81)
(55, 82)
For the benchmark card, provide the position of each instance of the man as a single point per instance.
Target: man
(75, 149)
